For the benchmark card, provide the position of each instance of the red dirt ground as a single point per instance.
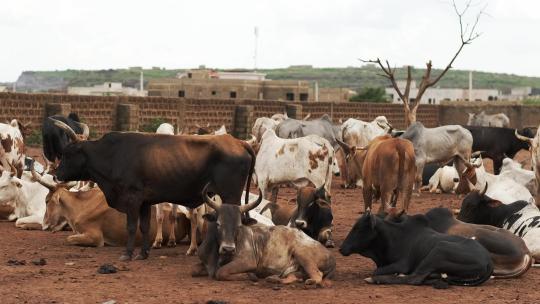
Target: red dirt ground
(70, 275)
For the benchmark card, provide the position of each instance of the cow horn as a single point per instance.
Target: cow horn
(472, 187)
(252, 205)
(69, 131)
(307, 116)
(208, 125)
(477, 153)
(523, 138)
(213, 204)
(346, 148)
(252, 140)
(36, 177)
(86, 130)
(485, 189)
(362, 148)
(198, 125)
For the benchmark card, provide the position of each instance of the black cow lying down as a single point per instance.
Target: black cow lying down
(409, 252)
(278, 253)
(509, 254)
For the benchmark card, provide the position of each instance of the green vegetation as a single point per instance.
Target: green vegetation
(356, 78)
(370, 95)
(152, 126)
(532, 101)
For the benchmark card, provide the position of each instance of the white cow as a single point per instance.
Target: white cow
(444, 180)
(359, 133)
(28, 198)
(485, 120)
(12, 146)
(513, 170)
(535, 158)
(501, 188)
(297, 161)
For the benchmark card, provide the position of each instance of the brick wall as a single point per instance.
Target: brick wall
(101, 112)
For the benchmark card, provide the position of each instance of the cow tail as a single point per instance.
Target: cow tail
(401, 166)
(249, 149)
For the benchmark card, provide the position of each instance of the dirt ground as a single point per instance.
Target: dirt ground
(70, 275)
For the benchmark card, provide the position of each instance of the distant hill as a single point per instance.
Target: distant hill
(350, 77)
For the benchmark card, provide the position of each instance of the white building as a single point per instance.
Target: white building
(107, 89)
(3, 88)
(436, 95)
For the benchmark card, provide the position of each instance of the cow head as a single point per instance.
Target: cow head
(70, 132)
(228, 219)
(73, 164)
(309, 200)
(53, 219)
(477, 208)
(471, 119)
(354, 160)
(361, 236)
(469, 177)
(526, 139)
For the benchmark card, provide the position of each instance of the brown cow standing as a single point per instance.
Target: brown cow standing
(387, 168)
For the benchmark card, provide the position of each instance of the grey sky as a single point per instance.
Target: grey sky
(101, 34)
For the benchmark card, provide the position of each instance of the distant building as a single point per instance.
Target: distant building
(241, 84)
(106, 89)
(436, 95)
(3, 88)
(211, 84)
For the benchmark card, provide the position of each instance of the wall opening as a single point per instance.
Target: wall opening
(289, 96)
(181, 93)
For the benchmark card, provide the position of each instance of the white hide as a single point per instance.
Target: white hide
(359, 133)
(513, 170)
(444, 179)
(282, 161)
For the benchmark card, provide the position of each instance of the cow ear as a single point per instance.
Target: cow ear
(494, 203)
(211, 217)
(249, 221)
(320, 192)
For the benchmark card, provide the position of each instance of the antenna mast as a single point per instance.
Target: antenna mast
(256, 32)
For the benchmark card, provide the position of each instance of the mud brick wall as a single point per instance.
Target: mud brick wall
(108, 113)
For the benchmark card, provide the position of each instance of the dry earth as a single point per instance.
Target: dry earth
(70, 275)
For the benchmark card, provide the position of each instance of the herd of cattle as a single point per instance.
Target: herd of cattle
(200, 185)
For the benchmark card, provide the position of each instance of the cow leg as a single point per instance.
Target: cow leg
(172, 226)
(193, 233)
(230, 271)
(159, 227)
(86, 239)
(290, 278)
(398, 267)
(315, 276)
(368, 196)
(413, 279)
(144, 226)
(132, 219)
(497, 164)
(32, 222)
(325, 237)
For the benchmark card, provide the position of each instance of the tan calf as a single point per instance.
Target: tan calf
(387, 168)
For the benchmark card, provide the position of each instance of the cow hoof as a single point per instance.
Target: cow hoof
(191, 251)
(313, 282)
(171, 244)
(141, 256)
(330, 244)
(156, 245)
(252, 277)
(369, 280)
(125, 258)
(273, 279)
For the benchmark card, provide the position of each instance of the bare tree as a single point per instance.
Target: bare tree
(467, 37)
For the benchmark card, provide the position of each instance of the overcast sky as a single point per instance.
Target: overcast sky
(102, 34)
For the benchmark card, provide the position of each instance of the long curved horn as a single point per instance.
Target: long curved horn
(69, 131)
(213, 204)
(485, 189)
(86, 129)
(472, 187)
(254, 204)
(307, 116)
(38, 178)
(523, 138)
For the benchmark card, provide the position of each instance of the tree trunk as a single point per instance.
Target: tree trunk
(410, 115)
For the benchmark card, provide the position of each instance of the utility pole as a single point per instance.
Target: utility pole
(256, 32)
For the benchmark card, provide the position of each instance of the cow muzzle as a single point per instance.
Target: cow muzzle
(456, 180)
(227, 249)
(300, 224)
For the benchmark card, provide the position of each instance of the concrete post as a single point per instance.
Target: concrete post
(244, 117)
(127, 117)
(294, 111)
